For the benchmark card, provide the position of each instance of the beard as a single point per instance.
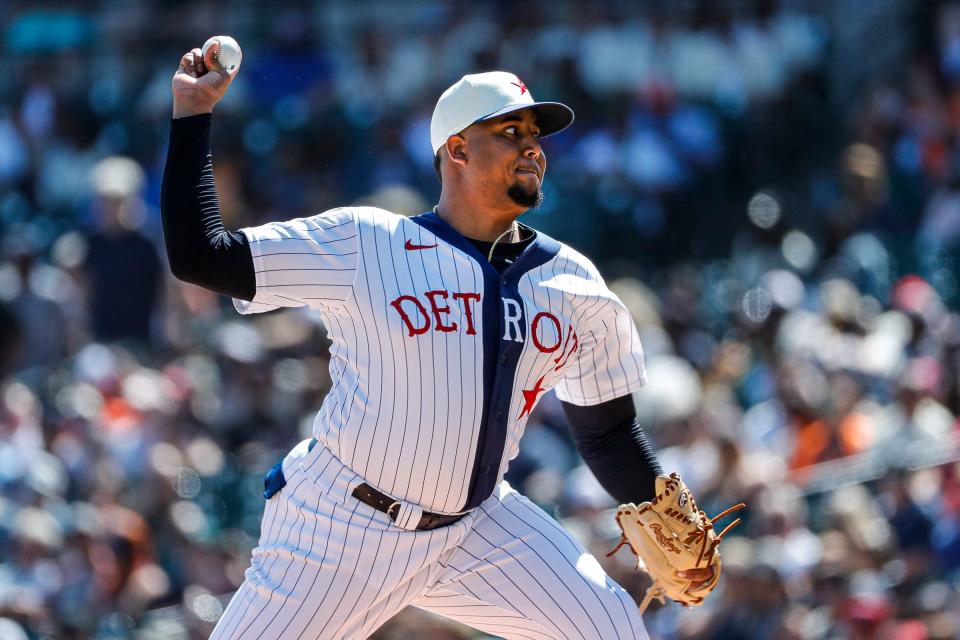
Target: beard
(525, 197)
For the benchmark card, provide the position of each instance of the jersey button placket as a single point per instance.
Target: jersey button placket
(508, 349)
(505, 347)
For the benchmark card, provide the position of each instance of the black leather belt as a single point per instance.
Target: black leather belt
(382, 502)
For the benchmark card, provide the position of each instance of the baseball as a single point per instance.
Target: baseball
(227, 52)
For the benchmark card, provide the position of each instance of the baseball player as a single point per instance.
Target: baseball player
(447, 328)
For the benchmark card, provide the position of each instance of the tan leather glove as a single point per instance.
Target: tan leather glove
(670, 534)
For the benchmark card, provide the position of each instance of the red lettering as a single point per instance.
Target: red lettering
(536, 340)
(468, 309)
(566, 356)
(570, 334)
(414, 331)
(437, 310)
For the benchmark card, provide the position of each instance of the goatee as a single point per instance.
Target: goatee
(525, 198)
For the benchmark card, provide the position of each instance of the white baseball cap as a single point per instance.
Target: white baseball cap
(482, 96)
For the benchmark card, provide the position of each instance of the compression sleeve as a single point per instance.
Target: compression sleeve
(615, 448)
(200, 250)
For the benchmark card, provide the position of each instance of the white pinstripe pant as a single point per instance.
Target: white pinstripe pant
(329, 566)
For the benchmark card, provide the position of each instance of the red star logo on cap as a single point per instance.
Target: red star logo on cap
(530, 397)
(519, 83)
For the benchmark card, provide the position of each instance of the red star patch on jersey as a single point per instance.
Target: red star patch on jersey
(530, 397)
(519, 83)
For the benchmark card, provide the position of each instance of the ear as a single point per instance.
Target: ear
(456, 149)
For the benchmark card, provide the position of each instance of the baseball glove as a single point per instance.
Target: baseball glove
(670, 534)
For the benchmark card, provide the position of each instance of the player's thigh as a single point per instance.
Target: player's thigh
(519, 574)
(328, 566)
(250, 614)
(300, 573)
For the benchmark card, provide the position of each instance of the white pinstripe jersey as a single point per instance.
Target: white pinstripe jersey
(436, 358)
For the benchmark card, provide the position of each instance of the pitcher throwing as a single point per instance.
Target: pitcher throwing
(447, 328)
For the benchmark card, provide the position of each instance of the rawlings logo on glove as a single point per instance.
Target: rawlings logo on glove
(670, 536)
(663, 540)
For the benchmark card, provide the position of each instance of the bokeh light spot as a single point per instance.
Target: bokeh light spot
(187, 483)
(764, 210)
(757, 304)
(207, 608)
(799, 250)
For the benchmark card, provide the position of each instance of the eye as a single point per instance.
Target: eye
(512, 130)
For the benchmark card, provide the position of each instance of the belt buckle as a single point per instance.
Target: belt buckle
(396, 503)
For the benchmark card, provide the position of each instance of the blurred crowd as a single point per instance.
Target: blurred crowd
(789, 258)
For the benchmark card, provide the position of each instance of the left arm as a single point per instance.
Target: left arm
(597, 397)
(615, 448)
(658, 515)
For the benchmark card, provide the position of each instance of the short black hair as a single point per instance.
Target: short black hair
(436, 165)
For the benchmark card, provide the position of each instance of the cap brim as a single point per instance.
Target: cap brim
(552, 117)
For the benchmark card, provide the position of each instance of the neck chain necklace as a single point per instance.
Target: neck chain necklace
(513, 229)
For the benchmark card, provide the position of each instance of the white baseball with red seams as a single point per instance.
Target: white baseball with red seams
(227, 52)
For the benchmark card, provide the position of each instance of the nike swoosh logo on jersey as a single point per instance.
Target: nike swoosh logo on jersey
(409, 246)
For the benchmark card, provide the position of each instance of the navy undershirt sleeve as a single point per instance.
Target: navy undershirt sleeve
(200, 250)
(615, 448)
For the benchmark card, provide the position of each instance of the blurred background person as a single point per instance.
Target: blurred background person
(122, 265)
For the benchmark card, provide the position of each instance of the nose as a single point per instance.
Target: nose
(531, 147)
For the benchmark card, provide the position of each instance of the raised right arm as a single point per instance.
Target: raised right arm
(200, 250)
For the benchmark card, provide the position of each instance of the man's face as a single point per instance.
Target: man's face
(504, 156)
